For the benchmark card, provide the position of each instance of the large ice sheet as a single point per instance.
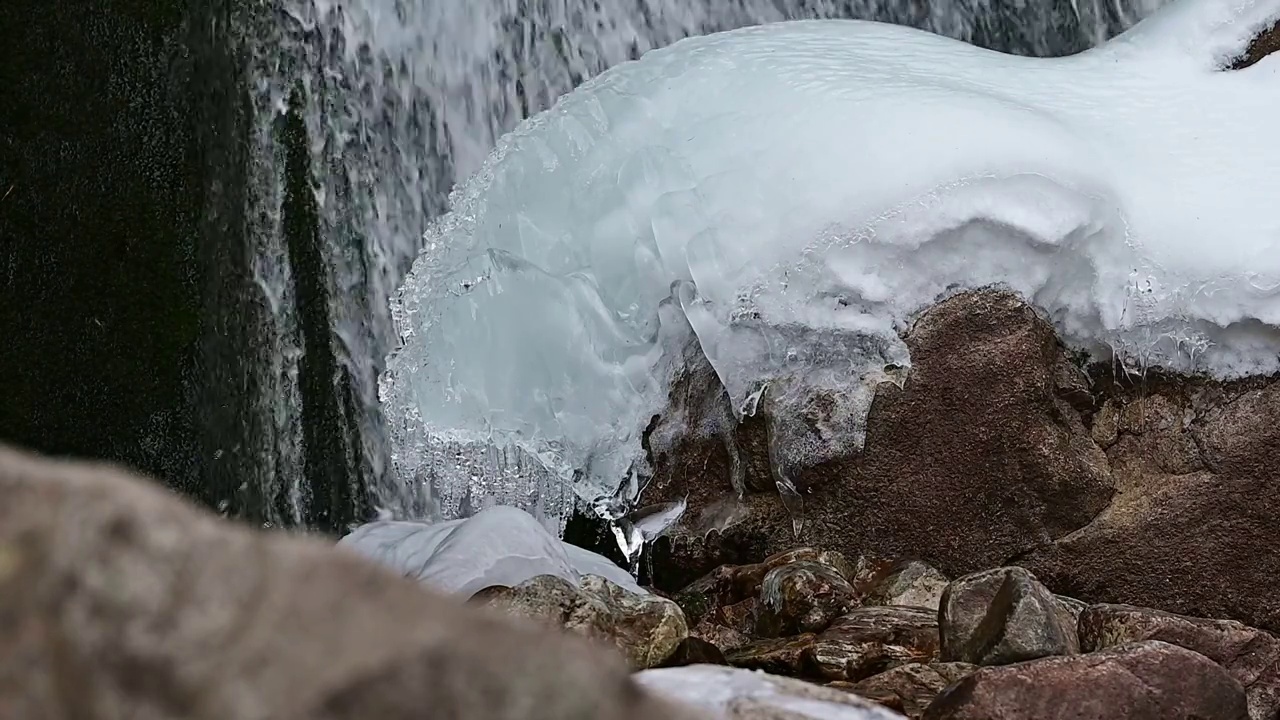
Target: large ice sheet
(498, 546)
(789, 197)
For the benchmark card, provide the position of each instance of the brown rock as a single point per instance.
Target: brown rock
(871, 640)
(986, 383)
(1251, 656)
(777, 656)
(695, 651)
(910, 688)
(722, 637)
(645, 628)
(801, 597)
(1196, 515)
(118, 600)
(1149, 680)
(1263, 44)
(1002, 616)
(912, 583)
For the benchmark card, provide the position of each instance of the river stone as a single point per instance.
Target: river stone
(120, 600)
(1149, 680)
(734, 694)
(870, 640)
(695, 651)
(801, 597)
(912, 583)
(1001, 616)
(645, 628)
(1250, 655)
(777, 656)
(910, 688)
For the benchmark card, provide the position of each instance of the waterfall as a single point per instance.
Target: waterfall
(363, 113)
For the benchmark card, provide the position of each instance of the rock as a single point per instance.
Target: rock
(722, 637)
(977, 459)
(646, 628)
(777, 656)
(1251, 656)
(910, 688)
(912, 583)
(733, 694)
(731, 584)
(1149, 680)
(695, 651)
(1002, 616)
(1197, 512)
(1265, 43)
(119, 600)
(870, 640)
(801, 597)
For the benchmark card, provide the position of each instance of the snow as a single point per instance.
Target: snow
(723, 690)
(791, 196)
(498, 546)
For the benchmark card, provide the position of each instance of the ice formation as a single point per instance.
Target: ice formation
(733, 692)
(789, 197)
(498, 546)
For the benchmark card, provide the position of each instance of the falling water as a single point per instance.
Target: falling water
(401, 98)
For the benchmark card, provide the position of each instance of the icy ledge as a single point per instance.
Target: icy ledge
(786, 198)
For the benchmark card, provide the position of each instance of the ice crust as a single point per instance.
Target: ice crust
(726, 692)
(790, 196)
(498, 546)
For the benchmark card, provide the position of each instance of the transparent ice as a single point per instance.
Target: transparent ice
(787, 198)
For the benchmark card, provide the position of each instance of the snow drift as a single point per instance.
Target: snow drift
(786, 198)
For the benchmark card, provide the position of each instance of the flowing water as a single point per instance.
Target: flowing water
(401, 98)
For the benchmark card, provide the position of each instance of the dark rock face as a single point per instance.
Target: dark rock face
(1002, 616)
(988, 381)
(1149, 680)
(1197, 509)
(694, 651)
(777, 656)
(1264, 44)
(801, 597)
(1251, 656)
(121, 601)
(910, 688)
(870, 640)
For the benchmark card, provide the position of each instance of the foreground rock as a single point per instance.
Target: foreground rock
(732, 694)
(871, 640)
(647, 629)
(1149, 680)
(1003, 616)
(119, 600)
(912, 583)
(989, 380)
(910, 689)
(802, 597)
(1251, 656)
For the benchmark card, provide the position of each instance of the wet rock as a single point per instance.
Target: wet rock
(695, 651)
(745, 695)
(731, 584)
(1250, 655)
(801, 597)
(910, 688)
(1002, 616)
(1193, 524)
(912, 583)
(1150, 680)
(777, 656)
(870, 640)
(984, 385)
(645, 628)
(722, 637)
(119, 600)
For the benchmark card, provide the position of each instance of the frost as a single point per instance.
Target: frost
(498, 546)
(786, 198)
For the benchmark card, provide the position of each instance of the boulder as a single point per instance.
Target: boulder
(731, 584)
(1003, 616)
(695, 651)
(119, 600)
(1193, 524)
(733, 694)
(801, 597)
(647, 629)
(870, 640)
(1150, 680)
(910, 688)
(989, 380)
(776, 656)
(1250, 655)
(911, 583)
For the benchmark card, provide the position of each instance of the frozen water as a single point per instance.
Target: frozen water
(497, 546)
(790, 196)
(730, 692)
